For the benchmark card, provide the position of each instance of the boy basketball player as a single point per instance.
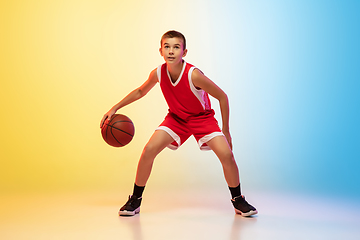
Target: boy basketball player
(186, 90)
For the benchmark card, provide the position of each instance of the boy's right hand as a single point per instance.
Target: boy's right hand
(107, 117)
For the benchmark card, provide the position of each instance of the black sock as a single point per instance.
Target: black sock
(138, 191)
(235, 191)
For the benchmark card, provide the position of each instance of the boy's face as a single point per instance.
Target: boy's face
(172, 49)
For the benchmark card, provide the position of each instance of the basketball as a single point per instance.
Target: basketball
(119, 131)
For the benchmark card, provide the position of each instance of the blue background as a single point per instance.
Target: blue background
(295, 71)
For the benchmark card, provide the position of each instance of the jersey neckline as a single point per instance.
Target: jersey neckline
(180, 76)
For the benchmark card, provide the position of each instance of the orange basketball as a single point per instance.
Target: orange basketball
(119, 131)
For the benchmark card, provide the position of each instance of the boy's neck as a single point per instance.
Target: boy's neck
(175, 69)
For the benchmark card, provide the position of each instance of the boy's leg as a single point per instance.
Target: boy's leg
(221, 148)
(158, 141)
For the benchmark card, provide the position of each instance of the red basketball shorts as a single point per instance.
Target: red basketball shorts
(204, 128)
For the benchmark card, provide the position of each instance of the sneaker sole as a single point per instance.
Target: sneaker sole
(247, 214)
(129, 213)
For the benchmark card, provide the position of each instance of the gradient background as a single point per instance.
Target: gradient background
(290, 69)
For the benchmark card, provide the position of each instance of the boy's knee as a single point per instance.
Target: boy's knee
(227, 154)
(150, 150)
(227, 157)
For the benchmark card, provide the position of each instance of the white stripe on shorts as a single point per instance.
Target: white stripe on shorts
(173, 135)
(207, 138)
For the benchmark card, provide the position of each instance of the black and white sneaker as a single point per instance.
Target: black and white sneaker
(243, 207)
(131, 207)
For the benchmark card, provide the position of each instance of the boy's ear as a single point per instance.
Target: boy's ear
(160, 50)
(185, 52)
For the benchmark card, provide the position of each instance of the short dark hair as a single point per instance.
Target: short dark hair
(173, 34)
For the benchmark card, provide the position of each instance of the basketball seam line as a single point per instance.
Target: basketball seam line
(122, 121)
(120, 130)
(114, 136)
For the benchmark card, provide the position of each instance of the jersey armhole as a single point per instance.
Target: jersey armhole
(199, 93)
(192, 86)
(158, 71)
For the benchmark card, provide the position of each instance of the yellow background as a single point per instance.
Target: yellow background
(63, 65)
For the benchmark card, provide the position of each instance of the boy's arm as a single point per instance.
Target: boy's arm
(203, 82)
(132, 96)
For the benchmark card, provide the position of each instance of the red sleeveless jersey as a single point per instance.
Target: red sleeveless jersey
(182, 97)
